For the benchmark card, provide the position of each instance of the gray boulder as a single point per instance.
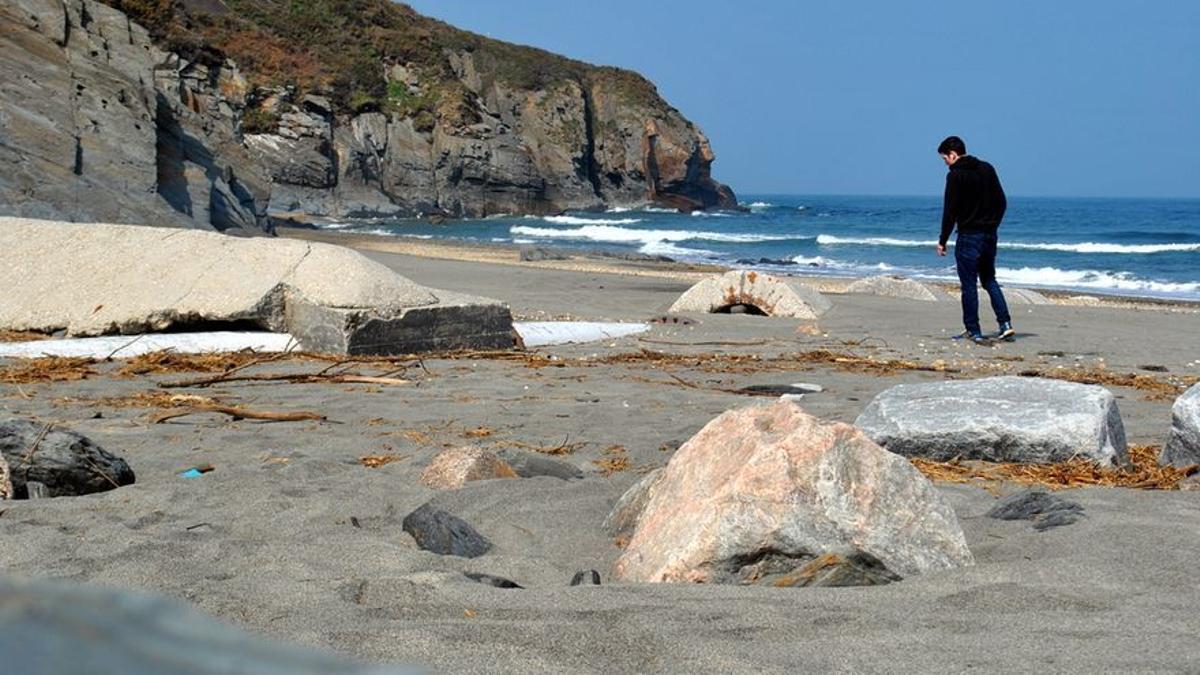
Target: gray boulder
(63, 463)
(998, 419)
(1183, 448)
(50, 628)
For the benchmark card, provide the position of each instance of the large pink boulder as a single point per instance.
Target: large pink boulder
(762, 491)
(451, 469)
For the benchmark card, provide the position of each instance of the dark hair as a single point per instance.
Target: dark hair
(952, 144)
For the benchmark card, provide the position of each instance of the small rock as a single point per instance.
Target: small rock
(622, 520)
(782, 389)
(890, 286)
(535, 254)
(530, 464)
(62, 462)
(1045, 510)
(490, 580)
(586, 578)
(454, 468)
(834, 570)
(444, 533)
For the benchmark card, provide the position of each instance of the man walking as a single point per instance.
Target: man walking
(975, 202)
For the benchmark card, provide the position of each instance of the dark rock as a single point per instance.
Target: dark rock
(444, 533)
(781, 389)
(834, 570)
(63, 462)
(535, 254)
(529, 464)
(490, 580)
(586, 578)
(51, 627)
(630, 256)
(1045, 510)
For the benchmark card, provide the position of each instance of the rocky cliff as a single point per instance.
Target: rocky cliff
(220, 111)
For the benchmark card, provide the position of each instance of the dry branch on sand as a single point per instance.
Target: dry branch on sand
(237, 413)
(1143, 473)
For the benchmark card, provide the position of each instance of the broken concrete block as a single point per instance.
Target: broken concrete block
(95, 279)
(753, 293)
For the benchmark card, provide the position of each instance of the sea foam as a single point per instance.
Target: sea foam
(1082, 247)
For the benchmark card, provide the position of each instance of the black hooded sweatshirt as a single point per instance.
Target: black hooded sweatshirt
(974, 199)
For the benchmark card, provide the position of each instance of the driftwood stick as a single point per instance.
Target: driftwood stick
(237, 413)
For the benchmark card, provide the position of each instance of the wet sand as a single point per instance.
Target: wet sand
(292, 537)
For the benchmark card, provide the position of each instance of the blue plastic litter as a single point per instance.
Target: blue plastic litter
(191, 473)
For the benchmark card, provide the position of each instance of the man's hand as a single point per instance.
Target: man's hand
(941, 249)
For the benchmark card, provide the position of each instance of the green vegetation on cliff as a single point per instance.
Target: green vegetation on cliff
(344, 47)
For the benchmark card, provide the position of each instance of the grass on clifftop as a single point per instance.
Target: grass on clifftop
(343, 47)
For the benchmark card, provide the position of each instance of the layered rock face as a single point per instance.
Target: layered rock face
(100, 124)
(576, 144)
(97, 124)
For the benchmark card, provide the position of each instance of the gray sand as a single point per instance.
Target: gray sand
(267, 540)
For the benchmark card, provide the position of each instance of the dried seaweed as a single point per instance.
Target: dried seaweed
(377, 461)
(615, 460)
(22, 336)
(221, 362)
(1156, 389)
(48, 369)
(1144, 473)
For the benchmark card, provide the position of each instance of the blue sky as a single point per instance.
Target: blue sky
(1065, 97)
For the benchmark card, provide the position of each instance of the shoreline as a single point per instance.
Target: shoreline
(582, 260)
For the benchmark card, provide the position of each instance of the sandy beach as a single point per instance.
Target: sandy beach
(295, 536)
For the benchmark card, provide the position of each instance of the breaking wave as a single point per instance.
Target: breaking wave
(1094, 279)
(1084, 247)
(576, 220)
(624, 235)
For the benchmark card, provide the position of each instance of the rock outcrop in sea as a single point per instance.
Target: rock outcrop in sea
(216, 113)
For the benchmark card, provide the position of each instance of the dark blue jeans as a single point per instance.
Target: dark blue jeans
(975, 254)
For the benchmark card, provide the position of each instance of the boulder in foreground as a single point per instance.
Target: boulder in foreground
(52, 627)
(96, 279)
(754, 291)
(998, 419)
(1183, 448)
(761, 492)
(454, 468)
(63, 463)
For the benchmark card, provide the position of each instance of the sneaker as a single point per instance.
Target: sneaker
(977, 338)
(1006, 331)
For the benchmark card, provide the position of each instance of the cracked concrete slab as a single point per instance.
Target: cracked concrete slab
(97, 279)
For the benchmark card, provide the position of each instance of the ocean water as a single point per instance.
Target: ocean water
(1138, 247)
